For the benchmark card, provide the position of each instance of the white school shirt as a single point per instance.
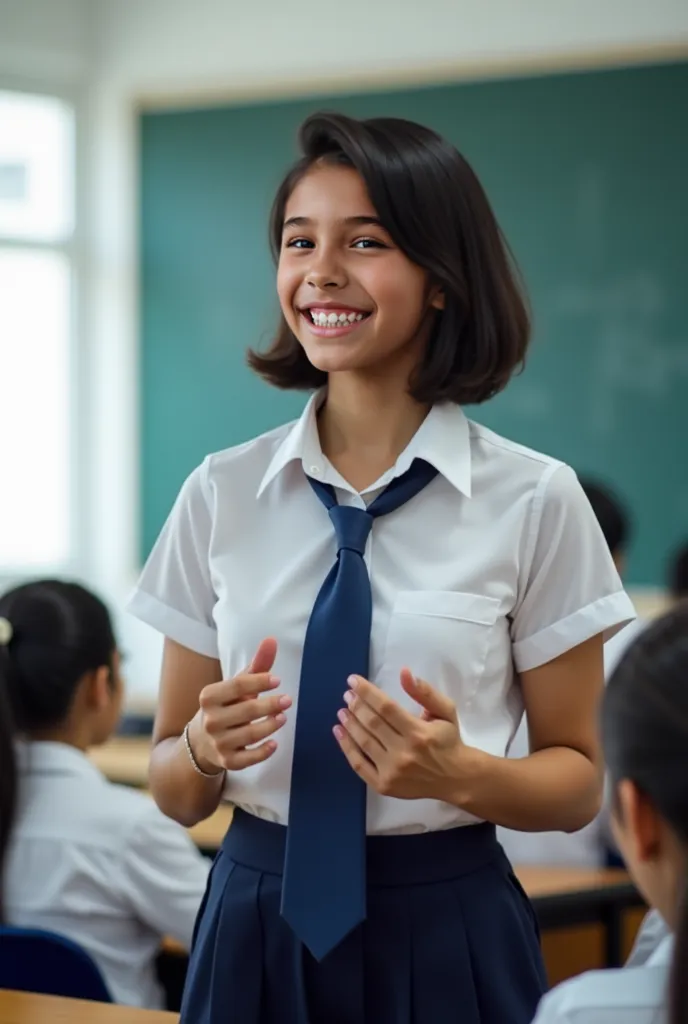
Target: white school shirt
(651, 934)
(102, 865)
(625, 995)
(497, 566)
(587, 847)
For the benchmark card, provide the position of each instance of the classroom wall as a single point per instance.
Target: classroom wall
(52, 40)
(172, 45)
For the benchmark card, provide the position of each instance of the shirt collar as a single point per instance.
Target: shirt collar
(46, 758)
(443, 440)
(663, 954)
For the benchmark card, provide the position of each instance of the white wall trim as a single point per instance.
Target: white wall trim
(264, 88)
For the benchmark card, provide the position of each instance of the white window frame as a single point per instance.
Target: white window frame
(78, 548)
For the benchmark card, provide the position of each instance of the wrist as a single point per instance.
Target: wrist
(198, 753)
(471, 775)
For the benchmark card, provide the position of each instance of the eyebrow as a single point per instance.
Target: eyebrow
(361, 220)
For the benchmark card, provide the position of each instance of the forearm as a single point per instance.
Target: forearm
(556, 789)
(179, 791)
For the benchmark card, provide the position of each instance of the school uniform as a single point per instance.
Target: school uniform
(498, 565)
(627, 995)
(592, 845)
(651, 934)
(100, 864)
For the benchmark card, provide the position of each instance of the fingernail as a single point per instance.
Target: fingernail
(285, 702)
(272, 745)
(353, 682)
(274, 681)
(342, 716)
(339, 732)
(280, 719)
(348, 696)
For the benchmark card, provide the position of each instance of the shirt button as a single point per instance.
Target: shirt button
(315, 471)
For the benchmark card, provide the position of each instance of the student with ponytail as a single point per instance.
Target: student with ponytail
(95, 862)
(645, 739)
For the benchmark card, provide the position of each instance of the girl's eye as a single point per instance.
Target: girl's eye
(299, 243)
(368, 243)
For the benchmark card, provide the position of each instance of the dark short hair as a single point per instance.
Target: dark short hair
(433, 206)
(611, 515)
(678, 573)
(58, 632)
(645, 739)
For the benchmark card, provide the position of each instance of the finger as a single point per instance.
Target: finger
(400, 720)
(230, 690)
(364, 740)
(355, 756)
(264, 658)
(241, 759)
(431, 700)
(247, 735)
(370, 720)
(249, 710)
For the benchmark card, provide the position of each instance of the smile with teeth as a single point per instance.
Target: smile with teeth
(321, 318)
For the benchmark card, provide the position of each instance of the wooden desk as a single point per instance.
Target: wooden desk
(208, 834)
(124, 759)
(28, 1008)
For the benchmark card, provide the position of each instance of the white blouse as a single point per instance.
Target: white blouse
(102, 865)
(498, 566)
(627, 995)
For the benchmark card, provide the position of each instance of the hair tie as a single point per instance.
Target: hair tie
(6, 632)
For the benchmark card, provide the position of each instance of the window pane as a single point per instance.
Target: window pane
(34, 408)
(36, 167)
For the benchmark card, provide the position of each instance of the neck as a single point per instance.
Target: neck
(80, 739)
(364, 426)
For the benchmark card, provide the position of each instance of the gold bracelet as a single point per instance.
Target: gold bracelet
(194, 763)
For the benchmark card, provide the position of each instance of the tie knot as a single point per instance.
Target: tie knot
(352, 526)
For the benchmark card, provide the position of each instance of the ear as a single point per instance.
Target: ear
(437, 298)
(640, 822)
(99, 688)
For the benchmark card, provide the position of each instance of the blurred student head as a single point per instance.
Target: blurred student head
(612, 517)
(678, 574)
(645, 740)
(59, 676)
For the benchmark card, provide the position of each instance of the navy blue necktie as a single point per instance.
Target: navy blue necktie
(323, 893)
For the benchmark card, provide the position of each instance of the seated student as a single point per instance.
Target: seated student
(589, 846)
(654, 929)
(645, 742)
(95, 862)
(678, 574)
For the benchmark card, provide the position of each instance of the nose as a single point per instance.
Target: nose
(325, 271)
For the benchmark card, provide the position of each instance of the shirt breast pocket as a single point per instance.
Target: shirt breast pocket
(443, 637)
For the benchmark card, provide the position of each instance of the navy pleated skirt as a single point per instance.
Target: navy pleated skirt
(450, 938)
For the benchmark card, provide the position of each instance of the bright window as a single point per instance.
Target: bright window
(36, 332)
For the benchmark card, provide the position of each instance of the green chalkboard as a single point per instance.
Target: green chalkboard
(588, 174)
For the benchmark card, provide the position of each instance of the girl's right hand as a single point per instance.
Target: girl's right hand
(232, 717)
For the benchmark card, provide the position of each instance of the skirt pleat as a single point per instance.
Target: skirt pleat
(450, 938)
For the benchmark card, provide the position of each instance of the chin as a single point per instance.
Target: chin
(333, 362)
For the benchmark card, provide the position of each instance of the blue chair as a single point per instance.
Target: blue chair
(33, 960)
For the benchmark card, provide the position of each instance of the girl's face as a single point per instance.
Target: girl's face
(353, 299)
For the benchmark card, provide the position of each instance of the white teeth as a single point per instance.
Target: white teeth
(322, 319)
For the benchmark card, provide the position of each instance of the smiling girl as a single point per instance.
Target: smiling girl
(382, 586)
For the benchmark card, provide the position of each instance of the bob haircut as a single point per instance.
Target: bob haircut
(435, 210)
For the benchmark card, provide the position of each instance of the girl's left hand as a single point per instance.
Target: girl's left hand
(399, 754)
